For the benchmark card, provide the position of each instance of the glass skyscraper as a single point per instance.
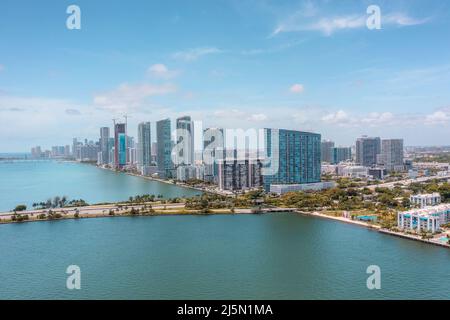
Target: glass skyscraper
(367, 150)
(104, 145)
(120, 145)
(164, 143)
(144, 144)
(293, 157)
(340, 154)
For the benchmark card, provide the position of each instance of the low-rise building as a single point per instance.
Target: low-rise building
(426, 219)
(377, 173)
(190, 172)
(425, 200)
(285, 188)
(149, 170)
(329, 169)
(352, 171)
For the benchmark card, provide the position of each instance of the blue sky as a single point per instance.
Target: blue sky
(306, 65)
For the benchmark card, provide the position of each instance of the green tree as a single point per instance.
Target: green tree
(20, 207)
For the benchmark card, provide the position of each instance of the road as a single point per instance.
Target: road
(95, 209)
(407, 182)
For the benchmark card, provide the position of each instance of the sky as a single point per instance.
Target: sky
(304, 65)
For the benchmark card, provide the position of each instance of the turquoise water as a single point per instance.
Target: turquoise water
(273, 256)
(277, 256)
(25, 182)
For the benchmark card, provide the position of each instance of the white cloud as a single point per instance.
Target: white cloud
(372, 119)
(127, 97)
(376, 119)
(73, 112)
(297, 88)
(329, 25)
(339, 117)
(195, 53)
(438, 117)
(258, 117)
(160, 70)
(402, 19)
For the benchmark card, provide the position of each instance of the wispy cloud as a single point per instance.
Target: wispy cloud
(195, 53)
(73, 112)
(297, 88)
(126, 96)
(160, 70)
(327, 25)
(439, 117)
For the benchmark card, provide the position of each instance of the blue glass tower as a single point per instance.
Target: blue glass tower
(294, 157)
(164, 141)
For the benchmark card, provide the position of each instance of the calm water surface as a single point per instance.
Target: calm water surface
(276, 256)
(26, 182)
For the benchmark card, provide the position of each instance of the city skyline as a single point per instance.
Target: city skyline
(307, 65)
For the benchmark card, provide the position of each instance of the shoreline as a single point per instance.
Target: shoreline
(153, 179)
(376, 228)
(341, 219)
(180, 210)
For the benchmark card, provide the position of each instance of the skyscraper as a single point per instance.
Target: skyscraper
(144, 144)
(104, 145)
(164, 143)
(185, 138)
(294, 155)
(327, 151)
(340, 154)
(367, 150)
(392, 154)
(213, 150)
(239, 174)
(120, 145)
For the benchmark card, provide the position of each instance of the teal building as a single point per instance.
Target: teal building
(292, 157)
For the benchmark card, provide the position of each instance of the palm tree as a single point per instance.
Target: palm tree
(56, 202)
(63, 201)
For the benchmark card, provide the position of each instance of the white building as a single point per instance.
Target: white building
(285, 188)
(352, 171)
(425, 200)
(426, 219)
(391, 156)
(329, 169)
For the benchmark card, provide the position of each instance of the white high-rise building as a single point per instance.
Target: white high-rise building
(185, 140)
(392, 154)
(104, 145)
